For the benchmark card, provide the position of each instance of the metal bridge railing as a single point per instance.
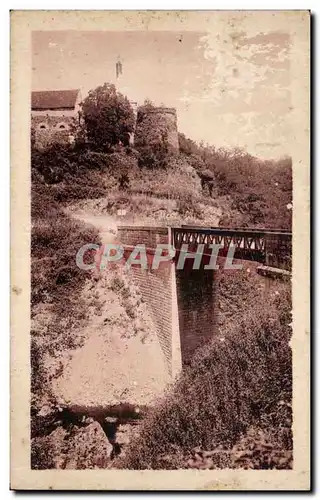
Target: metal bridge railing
(270, 247)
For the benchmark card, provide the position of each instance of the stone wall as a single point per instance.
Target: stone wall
(51, 128)
(157, 288)
(138, 235)
(181, 302)
(195, 295)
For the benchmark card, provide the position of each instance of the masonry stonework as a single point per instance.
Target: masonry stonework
(195, 295)
(53, 114)
(158, 125)
(181, 302)
(48, 129)
(157, 288)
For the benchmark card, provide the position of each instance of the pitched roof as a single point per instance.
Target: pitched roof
(54, 99)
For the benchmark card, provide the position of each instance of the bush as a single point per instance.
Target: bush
(79, 190)
(244, 377)
(108, 117)
(59, 161)
(122, 162)
(93, 160)
(54, 162)
(55, 241)
(187, 146)
(260, 190)
(178, 181)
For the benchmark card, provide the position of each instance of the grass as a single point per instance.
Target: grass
(174, 182)
(55, 240)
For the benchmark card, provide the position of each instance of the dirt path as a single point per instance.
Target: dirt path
(121, 360)
(105, 224)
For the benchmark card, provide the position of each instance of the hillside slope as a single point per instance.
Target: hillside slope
(79, 197)
(233, 407)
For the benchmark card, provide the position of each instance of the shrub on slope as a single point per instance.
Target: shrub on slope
(242, 380)
(55, 241)
(260, 190)
(56, 284)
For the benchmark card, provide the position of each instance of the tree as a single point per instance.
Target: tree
(108, 117)
(148, 104)
(187, 146)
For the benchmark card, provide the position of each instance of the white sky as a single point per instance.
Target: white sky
(230, 87)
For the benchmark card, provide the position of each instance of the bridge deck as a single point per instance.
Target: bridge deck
(234, 230)
(269, 246)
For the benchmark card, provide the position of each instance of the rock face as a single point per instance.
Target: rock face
(79, 441)
(77, 448)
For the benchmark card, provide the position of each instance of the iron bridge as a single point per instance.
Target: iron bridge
(271, 247)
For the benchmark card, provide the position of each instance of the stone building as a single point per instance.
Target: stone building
(52, 115)
(53, 112)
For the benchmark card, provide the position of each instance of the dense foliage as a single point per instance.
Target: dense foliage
(257, 192)
(79, 173)
(260, 190)
(108, 117)
(236, 392)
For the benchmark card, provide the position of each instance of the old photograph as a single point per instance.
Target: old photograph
(164, 208)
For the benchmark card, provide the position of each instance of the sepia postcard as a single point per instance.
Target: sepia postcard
(160, 238)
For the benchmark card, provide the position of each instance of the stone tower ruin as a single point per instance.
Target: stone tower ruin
(157, 125)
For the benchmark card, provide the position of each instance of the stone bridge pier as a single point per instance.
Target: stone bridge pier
(196, 309)
(182, 302)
